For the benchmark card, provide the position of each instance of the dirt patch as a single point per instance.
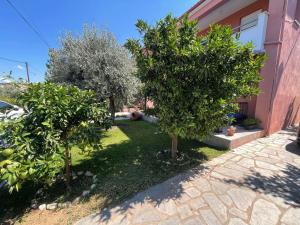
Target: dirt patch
(63, 216)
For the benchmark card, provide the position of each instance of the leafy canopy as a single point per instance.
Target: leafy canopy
(194, 80)
(57, 116)
(95, 60)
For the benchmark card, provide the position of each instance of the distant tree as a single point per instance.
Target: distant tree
(194, 80)
(37, 146)
(95, 61)
(11, 88)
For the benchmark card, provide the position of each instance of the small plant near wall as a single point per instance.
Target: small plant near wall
(251, 123)
(37, 145)
(231, 131)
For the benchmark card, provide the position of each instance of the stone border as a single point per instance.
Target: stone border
(85, 193)
(150, 119)
(126, 116)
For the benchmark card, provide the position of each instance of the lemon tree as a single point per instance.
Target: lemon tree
(194, 80)
(37, 145)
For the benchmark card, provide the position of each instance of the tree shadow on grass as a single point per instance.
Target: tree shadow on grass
(13, 206)
(132, 160)
(137, 164)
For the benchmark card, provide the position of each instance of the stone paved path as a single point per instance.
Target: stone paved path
(258, 184)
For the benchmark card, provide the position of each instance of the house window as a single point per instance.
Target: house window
(249, 21)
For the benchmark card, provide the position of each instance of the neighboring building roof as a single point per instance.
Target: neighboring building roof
(203, 6)
(195, 6)
(208, 12)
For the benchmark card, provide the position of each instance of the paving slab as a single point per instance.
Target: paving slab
(264, 213)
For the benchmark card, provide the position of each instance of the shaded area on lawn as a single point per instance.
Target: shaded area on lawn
(132, 159)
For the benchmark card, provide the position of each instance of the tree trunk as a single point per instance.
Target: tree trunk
(145, 102)
(174, 149)
(112, 107)
(68, 166)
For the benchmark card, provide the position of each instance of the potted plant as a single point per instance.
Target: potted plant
(251, 123)
(136, 115)
(231, 131)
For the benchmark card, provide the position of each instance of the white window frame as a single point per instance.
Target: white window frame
(250, 20)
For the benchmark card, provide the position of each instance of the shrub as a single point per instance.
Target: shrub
(194, 80)
(251, 122)
(37, 144)
(151, 112)
(96, 61)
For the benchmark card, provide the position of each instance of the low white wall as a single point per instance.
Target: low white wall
(150, 119)
(127, 115)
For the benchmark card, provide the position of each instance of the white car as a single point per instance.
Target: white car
(9, 111)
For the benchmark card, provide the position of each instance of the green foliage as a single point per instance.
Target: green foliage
(57, 117)
(151, 111)
(194, 80)
(128, 162)
(251, 122)
(95, 60)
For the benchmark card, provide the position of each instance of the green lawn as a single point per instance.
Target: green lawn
(129, 162)
(7, 99)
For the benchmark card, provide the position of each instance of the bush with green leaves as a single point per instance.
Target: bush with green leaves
(251, 122)
(36, 146)
(194, 80)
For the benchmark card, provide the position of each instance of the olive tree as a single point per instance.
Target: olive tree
(37, 146)
(95, 60)
(194, 80)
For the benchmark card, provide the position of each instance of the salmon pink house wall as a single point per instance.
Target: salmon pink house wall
(273, 26)
(285, 87)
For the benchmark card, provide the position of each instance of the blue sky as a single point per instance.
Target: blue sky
(53, 17)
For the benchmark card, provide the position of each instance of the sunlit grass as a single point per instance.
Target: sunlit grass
(129, 161)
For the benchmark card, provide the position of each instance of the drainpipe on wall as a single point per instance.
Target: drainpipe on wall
(284, 11)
